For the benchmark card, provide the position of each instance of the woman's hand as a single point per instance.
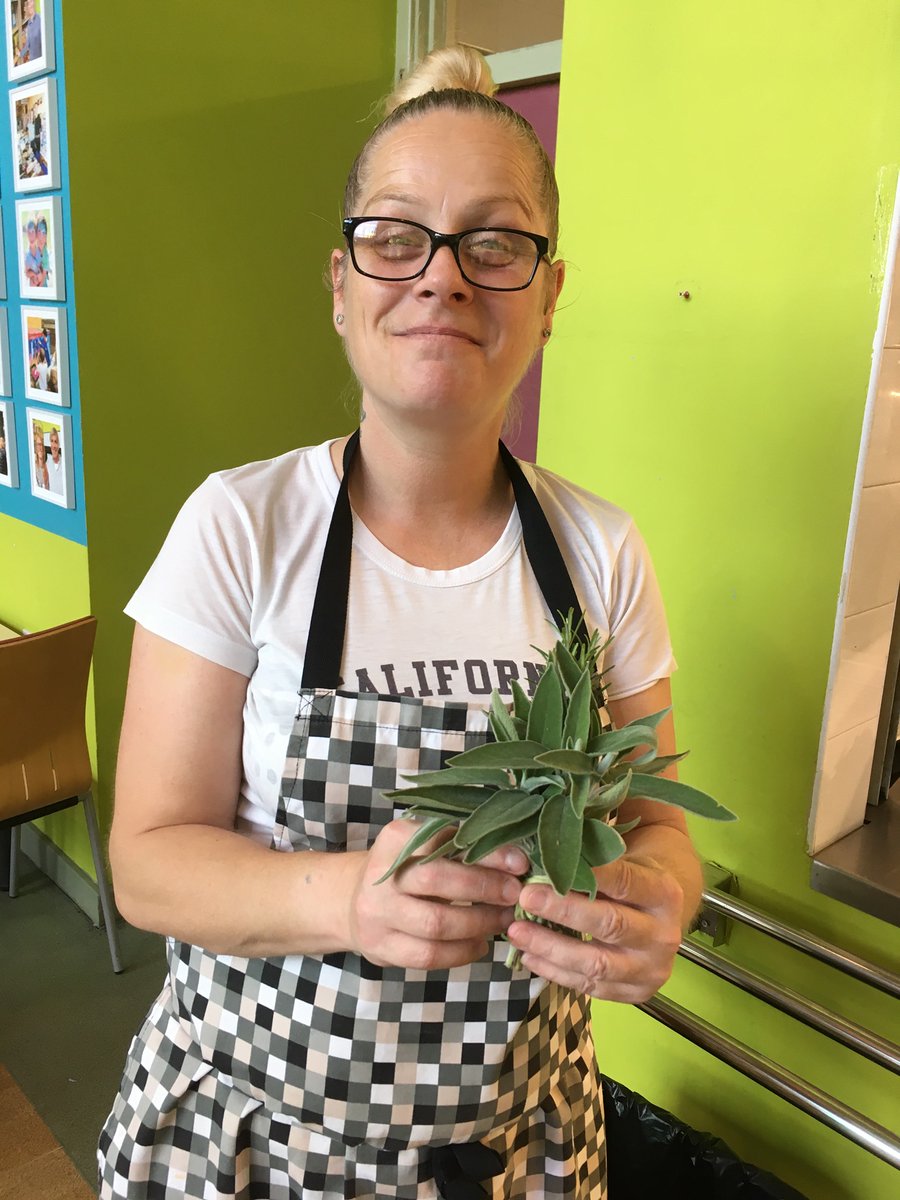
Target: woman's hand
(634, 924)
(430, 916)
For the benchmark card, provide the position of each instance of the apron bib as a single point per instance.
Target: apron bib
(307, 1077)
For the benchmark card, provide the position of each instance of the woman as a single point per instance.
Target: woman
(323, 1034)
(41, 474)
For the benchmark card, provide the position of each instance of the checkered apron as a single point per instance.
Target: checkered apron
(305, 1077)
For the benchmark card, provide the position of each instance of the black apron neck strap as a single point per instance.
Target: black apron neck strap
(325, 645)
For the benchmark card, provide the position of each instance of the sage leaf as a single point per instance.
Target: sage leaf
(568, 668)
(618, 740)
(501, 720)
(653, 720)
(509, 835)
(419, 838)
(546, 717)
(575, 762)
(502, 810)
(559, 836)
(509, 755)
(580, 787)
(452, 798)
(613, 794)
(531, 783)
(489, 776)
(577, 725)
(655, 765)
(672, 791)
(601, 843)
(585, 880)
(627, 826)
(521, 703)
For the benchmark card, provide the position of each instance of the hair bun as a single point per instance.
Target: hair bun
(451, 67)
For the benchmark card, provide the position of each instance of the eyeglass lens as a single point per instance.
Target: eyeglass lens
(493, 258)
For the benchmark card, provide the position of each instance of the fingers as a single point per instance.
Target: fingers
(634, 935)
(430, 915)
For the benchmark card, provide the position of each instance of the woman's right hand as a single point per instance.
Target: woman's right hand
(430, 916)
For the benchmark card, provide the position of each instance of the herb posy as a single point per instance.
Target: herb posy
(552, 781)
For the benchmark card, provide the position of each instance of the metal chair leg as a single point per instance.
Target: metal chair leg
(106, 900)
(13, 861)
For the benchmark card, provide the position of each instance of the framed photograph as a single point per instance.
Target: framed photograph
(39, 243)
(45, 355)
(9, 473)
(29, 37)
(50, 437)
(32, 114)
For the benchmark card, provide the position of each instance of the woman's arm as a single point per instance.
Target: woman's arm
(180, 868)
(645, 901)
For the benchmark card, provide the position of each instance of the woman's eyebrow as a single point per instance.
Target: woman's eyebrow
(474, 211)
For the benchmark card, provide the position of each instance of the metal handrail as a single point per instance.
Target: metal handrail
(802, 939)
(877, 1049)
(803, 1095)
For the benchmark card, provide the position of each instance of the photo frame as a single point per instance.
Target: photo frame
(39, 249)
(9, 468)
(29, 38)
(35, 136)
(50, 473)
(45, 355)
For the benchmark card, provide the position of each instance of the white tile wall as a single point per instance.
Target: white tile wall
(875, 567)
(863, 634)
(883, 458)
(892, 334)
(843, 784)
(859, 681)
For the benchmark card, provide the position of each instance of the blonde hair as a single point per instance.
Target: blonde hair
(457, 78)
(452, 67)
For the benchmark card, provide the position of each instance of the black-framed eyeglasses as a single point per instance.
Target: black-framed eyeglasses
(499, 260)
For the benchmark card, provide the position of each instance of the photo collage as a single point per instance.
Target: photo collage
(34, 360)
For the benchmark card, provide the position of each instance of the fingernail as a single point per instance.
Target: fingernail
(537, 901)
(512, 860)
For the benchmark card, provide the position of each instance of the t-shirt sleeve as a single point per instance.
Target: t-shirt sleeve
(199, 591)
(640, 652)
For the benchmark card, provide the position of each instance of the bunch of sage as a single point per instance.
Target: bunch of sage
(551, 782)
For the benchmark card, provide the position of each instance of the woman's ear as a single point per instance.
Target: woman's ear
(338, 275)
(558, 278)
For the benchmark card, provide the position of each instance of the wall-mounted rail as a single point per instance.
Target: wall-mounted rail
(802, 939)
(825, 1108)
(877, 1049)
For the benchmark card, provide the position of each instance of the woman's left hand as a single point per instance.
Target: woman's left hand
(634, 924)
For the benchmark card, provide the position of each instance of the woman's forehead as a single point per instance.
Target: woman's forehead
(469, 152)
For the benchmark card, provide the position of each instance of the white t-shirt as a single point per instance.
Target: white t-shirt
(236, 578)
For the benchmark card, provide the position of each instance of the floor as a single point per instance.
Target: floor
(65, 1019)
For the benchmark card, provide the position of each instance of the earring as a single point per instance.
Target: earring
(546, 332)
(339, 319)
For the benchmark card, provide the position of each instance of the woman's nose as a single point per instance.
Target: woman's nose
(443, 277)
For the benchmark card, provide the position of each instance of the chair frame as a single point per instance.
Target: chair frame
(85, 798)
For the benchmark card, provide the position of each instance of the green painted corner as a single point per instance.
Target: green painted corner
(46, 583)
(747, 159)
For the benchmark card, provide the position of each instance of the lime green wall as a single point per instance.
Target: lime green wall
(744, 156)
(45, 583)
(208, 146)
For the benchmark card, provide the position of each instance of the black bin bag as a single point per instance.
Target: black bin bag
(652, 1154)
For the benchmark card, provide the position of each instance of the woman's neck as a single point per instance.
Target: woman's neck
(434, 500)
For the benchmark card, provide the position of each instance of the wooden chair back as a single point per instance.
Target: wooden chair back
(43, 687)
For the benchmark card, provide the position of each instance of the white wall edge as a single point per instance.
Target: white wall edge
(868, 420)
(530, 62)
(58, 867)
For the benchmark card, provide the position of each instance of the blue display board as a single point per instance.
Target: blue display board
(41, 397)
